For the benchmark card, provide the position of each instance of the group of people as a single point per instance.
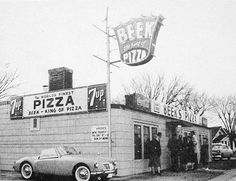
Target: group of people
(184, 150)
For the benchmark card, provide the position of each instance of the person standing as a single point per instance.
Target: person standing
(185, 147)
(196, 149)
(172, 145)
(204, 152)
(155, 153)
(180, 152)
(190, 153)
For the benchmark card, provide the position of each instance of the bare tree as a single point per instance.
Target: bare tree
(146, 85)
(177, 93)
(225, 109)
(200, 103)
(7, 81)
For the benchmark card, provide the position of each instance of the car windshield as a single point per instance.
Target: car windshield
(67, 150)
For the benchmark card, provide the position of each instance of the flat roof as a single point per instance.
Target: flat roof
(174, 120)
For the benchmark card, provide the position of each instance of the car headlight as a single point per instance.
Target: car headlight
(96, 165)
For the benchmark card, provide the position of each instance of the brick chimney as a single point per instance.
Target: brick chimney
(60, 78)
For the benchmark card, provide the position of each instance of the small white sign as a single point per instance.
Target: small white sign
(99, 133)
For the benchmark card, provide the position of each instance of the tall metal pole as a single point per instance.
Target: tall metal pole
(108, 87)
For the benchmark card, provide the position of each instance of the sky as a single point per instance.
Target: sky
(196, 42)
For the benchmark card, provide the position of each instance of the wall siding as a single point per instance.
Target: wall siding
(17, 141)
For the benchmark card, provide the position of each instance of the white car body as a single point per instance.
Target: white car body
(220, 150)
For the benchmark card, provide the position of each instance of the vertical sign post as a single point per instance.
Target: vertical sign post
(137, 41)
(108, 87)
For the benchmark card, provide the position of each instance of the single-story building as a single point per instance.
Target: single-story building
(78, 117)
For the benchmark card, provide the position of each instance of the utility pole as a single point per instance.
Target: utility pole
(108, 87)
(109, 63)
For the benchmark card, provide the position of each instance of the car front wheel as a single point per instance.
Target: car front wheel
(82, 173)
(26, 171)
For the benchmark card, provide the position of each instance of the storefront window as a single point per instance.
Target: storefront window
(146, 140)
(137, 142)
(143, 134)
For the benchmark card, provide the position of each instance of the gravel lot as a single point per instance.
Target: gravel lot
(197, 175)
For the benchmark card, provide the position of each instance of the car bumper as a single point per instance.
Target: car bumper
(216, 155)
(99, 175)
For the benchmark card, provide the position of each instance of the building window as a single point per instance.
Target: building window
(146, 140)
(143, 134)
(137, 142)
(35, 124)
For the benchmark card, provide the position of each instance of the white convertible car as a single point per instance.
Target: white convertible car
(66, 161)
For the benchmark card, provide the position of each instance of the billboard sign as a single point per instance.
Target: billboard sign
(97, 97)
(60, 102)
(137, 39)
(16, 108)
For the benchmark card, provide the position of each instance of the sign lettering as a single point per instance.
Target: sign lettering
(97, 97)
(16, 108)
(61, 102)
(174, 112)
(137, 39)
(99, 133)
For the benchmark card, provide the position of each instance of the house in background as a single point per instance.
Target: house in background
(219, 135)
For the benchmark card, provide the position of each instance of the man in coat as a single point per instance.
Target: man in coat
(173, 147)
(155, 153)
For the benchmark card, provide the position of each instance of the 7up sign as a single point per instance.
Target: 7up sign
(137, 39)
(97, 97)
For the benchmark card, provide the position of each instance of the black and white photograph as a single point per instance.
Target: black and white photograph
(98, 90)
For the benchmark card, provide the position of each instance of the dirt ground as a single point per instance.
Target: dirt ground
(196, 175)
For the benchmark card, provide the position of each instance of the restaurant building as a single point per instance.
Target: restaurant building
(78, 117)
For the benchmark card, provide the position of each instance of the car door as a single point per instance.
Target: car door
(64, 165)
(46, 162)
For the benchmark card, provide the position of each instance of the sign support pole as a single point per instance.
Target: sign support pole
(109, 63)
(108, 87)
